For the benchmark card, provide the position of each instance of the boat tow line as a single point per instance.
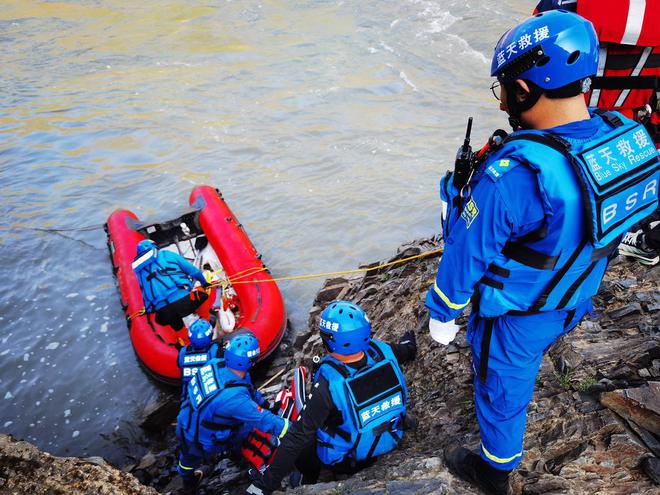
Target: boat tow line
(238, 277)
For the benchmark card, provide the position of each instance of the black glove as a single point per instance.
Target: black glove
(410, 341)
(275, 408)
(257, 487)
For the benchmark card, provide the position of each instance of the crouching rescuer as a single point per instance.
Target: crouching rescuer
(357, 406)
(221, 407)
(529, 233)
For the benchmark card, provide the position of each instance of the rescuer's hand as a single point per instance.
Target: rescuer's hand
(443, 333)
(409, 340)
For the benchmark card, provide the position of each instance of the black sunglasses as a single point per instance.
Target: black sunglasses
(495, 87)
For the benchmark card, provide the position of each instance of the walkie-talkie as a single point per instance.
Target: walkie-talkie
(464, 160)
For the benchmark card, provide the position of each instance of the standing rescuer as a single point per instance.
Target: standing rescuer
(529, 237)
(357, 406)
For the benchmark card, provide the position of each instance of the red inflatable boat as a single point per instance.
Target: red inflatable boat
(212, 239)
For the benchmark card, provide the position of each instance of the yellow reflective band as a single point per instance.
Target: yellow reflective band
(446, 300)
(286, 427)
(499, 459)
(184, 467)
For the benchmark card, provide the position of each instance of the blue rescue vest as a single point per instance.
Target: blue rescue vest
(372, 402)
(592, 193)
(191, 359)
(161, 280)
(199, 422)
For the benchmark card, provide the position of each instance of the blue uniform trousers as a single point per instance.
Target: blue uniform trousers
(505, 367)
(192, 454)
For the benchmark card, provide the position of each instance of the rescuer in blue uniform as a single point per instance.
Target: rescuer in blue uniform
(527, 240)
(166, 281)
(201, 350)
(221, 407)
(342, 426)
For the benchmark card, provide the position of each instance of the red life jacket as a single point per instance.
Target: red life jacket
(260, 447)
(628, 76)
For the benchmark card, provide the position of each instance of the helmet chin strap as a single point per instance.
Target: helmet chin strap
(515, 108)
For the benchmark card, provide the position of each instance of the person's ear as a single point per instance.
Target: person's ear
(522, 90)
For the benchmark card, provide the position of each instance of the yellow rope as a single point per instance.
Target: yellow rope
(242, 272)
(333, 274)
(236, 278)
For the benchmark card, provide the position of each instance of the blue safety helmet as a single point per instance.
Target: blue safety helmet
(345, 328)
(551, 49)
(144, 246)
(242, 350)
(200, 334)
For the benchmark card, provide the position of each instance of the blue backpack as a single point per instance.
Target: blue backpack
(618, 176)
(372, 402)
(214, 434)
(161, 281)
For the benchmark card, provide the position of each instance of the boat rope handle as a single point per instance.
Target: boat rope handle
(236, 278)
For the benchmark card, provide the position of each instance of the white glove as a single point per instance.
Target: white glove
(443, 333)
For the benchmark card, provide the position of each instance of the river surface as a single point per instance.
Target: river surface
(326, 125)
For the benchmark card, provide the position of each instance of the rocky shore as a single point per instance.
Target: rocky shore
(593, 426)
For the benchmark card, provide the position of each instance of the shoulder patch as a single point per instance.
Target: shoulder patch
(499, 167)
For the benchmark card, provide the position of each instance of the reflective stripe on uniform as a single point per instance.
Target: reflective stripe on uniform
(636, 71)
(634, 22)
(446, 300)
(499, 460)
(602, 59)
(285, 429)
(184, 467)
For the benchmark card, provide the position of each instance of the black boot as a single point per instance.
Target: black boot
(470, 467)
(191, 483)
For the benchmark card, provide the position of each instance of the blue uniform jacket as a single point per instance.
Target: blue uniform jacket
(239, 407)
(166, 279)
(507, 203)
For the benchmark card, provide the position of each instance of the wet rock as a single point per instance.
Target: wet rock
(147, 461)
(25, 469)
(160, 412)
